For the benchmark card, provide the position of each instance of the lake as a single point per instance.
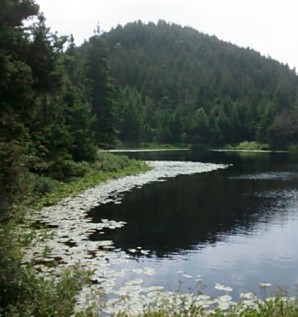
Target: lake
(236, 226)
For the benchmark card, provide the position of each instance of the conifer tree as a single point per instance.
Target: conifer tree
(101, 91)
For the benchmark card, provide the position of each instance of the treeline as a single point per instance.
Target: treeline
(176, 85)
(57, 104)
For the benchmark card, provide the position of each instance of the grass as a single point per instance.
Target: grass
(293, 148)
(248, 146)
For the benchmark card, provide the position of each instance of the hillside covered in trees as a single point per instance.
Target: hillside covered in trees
(176, 85)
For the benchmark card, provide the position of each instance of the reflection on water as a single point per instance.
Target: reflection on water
(236, 226)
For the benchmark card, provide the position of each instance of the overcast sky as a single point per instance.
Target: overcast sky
(268, 26)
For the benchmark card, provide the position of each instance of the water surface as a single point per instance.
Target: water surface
(236, 226)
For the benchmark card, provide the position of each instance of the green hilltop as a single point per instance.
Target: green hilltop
(177, 85)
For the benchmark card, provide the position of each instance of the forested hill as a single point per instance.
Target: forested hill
(179, 85)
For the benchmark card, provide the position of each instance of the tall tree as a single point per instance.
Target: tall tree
(16, 98)
(101, 90)
(79, 117)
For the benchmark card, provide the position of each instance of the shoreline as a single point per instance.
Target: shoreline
(65, 241)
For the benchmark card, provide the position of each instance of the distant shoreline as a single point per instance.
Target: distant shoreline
(248, 151)
(145, 150)
(187, 149)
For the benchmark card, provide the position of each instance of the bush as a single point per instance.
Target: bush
(248, 146)
(43, 185)
(108, 162)
(24, 293)
(67, 169)
(74, 169)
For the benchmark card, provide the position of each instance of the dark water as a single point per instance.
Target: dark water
(238, 226)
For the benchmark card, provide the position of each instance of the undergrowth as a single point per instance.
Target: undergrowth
(24, 293)
(48, 191)
(271, 307)
(248, 146)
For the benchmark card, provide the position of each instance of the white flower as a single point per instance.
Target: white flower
(221, 287)
(265, 285)
(249, 295)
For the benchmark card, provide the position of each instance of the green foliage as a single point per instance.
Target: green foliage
(27, 294)
(42, 185)
(178, 85)
(47, 191)
(130, 119)
(110, 163)
(100, 90)
(275, 307)
(46, 139)
(248, 146)
(23, 292)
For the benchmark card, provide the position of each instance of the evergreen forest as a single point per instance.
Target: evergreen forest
(176, 85)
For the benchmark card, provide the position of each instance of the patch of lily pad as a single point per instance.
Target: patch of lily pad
(67, 243)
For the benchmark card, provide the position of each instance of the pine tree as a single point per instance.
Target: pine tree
(16, 99)
(101, 91)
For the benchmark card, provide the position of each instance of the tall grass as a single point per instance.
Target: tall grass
(271, 307)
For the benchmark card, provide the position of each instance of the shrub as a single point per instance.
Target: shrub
(108, 162)
(44, 185)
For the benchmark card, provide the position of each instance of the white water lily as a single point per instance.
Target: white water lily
(155, 288)
(149, 271)
(248, 295)
(145, 252)
(265, 285)
(134, 282)
(137, 271)
(221, 287)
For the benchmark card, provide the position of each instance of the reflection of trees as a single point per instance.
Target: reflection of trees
(191, 211)
(182, 213)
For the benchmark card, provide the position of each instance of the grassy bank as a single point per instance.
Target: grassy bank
(22, 291)
(255, 146)
(49, 191)
(248, 146)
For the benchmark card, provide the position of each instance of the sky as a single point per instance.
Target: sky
(268, 26)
